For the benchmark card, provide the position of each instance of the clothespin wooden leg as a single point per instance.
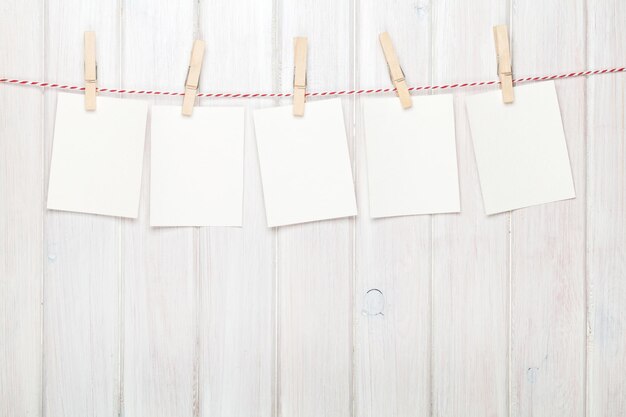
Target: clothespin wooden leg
(505, 72)
(91, 71)
(299, 75)
(193, 77)
(395, 71)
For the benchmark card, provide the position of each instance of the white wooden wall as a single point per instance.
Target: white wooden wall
(519, 314)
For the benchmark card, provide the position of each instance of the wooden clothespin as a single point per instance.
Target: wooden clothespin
(395, 70)
(503, 53)
(91, 71)
(299, 75)
(193, 77)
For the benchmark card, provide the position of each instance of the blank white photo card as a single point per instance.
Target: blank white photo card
(97, 156)
(520, 148)
(196, 168)
(305, 164)
(411, 156)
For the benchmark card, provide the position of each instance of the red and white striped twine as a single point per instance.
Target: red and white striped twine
(44, 84)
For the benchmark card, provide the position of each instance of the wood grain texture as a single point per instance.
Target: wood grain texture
(159, 265)
(81, 281)
(446, 315)
(237, 265)
(393, 256)
(606, 212)
(315, 260)
(21, 214)
(548, 241)
(470, 250)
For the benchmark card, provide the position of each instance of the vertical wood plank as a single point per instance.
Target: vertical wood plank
(237, 268)
(21, 216)
(606, 211)
(393, 256)
(315, 260)
(81, 287)
(470, 250)
(158, 264)
(548, 241)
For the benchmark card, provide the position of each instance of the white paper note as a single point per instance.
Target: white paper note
(520, 148)
(97, 156)
(305, 165)
(196, 174)
(411, 156)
